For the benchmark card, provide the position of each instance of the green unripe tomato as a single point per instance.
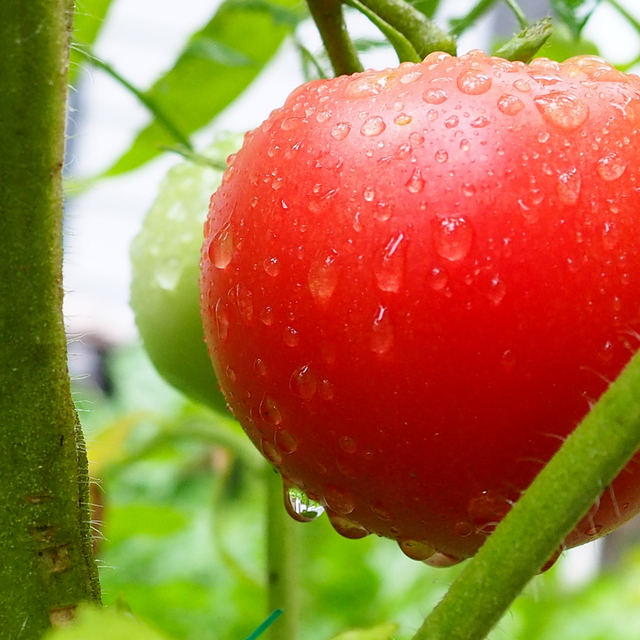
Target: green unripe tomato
(165, 270)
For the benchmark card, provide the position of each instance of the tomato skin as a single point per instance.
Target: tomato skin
(416, 282)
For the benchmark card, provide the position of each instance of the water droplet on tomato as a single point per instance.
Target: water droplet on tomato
(434, 96)
(383, 211)
(451, 122)
(323, 279)
(568, 187)
(510, 104)
(222, 320)
(473, 82)
(347, 444)
(415, 550)
(326, 390)
(563, 110)
(285, 442)
(221, 248)
(339, 500)
(480, 122)
(373, 126)
(415, 184)
(266, 316)
(271, 453)
(487, 510)
(340, 131)
(508, 361)
(382, 335)
(293, 122)
(452, 237)
(298, 504)
(367, 85)
(303, 382)
(347, 528)
(465, 145)
(416, 139)
(410, 76)
(291, 337)
(231, 374)
(244, 300)
(438, 279)
(497, 290)
(468, 189)
(594, 530)
(271, 266)
(402, 119)
(269, 411)
(441, 156)
(442, 560)
(543, 136)
(522, 85)
(389, 264)
(369, 194)
(610, 167)
(463, 529)
(259, 367)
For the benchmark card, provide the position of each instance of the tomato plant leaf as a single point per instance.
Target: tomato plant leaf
(384, 631)
(216, 66)
(88, 19)
(574, 13)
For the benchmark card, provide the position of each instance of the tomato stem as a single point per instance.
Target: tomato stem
(282, 556)
(422, 33)
(328, 16)
(527, 43)
(547, 512)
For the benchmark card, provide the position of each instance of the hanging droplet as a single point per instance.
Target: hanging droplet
(415, 550)
(390, 264)
(347, 528)
(415, 184)
(339, 500)
(303, 382)
(298, 505)
(221, 247)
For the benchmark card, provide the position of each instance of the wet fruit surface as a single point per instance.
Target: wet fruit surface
(416, 282)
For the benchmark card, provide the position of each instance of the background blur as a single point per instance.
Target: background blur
(178, 515)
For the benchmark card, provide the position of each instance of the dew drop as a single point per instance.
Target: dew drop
(292, 122)
(438, 279)
(568, 187)
(231, 374)
(442, 560)
(271, 453)
(383, 212)
(451, 122)
(480, 122)
(323, 279)
(221, 248)
(259, 367)
(473, 83)
(285, 442)
(381, 339)
(563, 110)
(373, 126)
(434, 96)
(266, 316)
(610, 167)
(339, 500)
(366, 85)
(369, 194)
(415, 550)
(340, 131)
(452, 237)
(326, 390)
(441, 156)
(402, 119)
(464, 145)
(271, 266)
(410, 76)
(416, 139)
(594, 530)
(222, 320)
(291, 337)
(303, 382)
(508, 361)
(543, 136)
(298, 504)
(463, 529)
(522, 85)
(347, 528)
(510, 104)
(468, 189)
(389, 264)
(269, 411)
(497, 290)
(244, 300)
(487, 510)
(347, 444)
(415, 184)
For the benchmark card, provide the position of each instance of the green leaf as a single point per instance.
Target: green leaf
(216, 66)
(384, 631)
(104, 624)
(88, 19)
(574, 13)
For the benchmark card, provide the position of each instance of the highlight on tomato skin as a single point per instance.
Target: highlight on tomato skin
(416, 282)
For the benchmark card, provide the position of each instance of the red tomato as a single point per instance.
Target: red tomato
(416, 282)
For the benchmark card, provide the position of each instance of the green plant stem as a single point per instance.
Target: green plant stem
(327, 14)
(539, 522)
(422, 33)
(527, 43)
(282, 561)
(150, 104)
(47, 566)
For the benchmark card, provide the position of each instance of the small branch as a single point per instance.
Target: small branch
(282, 552)
(327, 14)
(547, 512)
(425, 36)
(526, 44)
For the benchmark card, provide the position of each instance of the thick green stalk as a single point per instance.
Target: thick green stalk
(534, 529)
(282, 574)
(327, 14)
(45, 542)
